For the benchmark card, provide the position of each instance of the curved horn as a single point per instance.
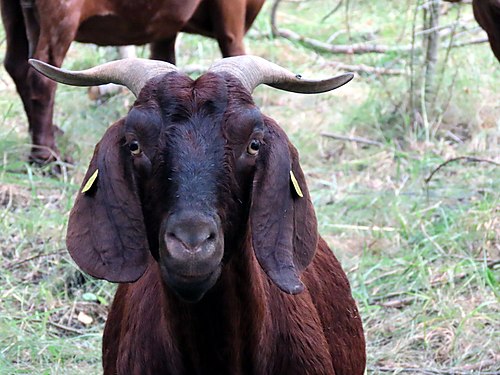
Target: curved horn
(132, 73)
(253, 71)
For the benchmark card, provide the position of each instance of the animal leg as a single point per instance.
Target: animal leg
(164, 50)
(53, 44)
(16, 56)
(229, 26)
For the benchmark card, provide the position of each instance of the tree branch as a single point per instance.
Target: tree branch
(466, 158)
(352, 139)
(356, 48)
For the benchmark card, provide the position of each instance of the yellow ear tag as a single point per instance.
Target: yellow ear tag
(295, 184)
(90, 181)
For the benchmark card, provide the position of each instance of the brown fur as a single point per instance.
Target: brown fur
(194, 137)
(44, 29)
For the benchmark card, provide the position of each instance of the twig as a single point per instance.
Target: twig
(413, 79)
(397, 303)
(14, 265)
(373, 228)
(492, 263)
(466, 158)
(352, 139)
(470, 42)
(376, 299)
(66, 328)
(436, 245)
(362, 68)
(337, 7)
(389, 273)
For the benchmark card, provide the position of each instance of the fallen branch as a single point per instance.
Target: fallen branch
(352, 139)
(466, 158)
(352, 49)
(357, 48)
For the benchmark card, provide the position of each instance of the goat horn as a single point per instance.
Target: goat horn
(132, 73)
(253, 71)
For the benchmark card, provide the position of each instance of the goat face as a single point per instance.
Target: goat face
(195, 161)
(190, 174)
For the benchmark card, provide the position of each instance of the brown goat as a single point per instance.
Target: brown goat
(487, 14)
(44, 29)
(200, 206)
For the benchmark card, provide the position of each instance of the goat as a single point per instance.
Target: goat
(44, 29)
(487, 14)
(197, 204)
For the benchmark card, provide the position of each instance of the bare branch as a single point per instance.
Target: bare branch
(362, 68)
(337, 7)
(352, 139)
(66, 328)
(356, 48)
(470, 42)
(466, 158)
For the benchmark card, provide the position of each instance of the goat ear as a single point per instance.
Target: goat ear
(106, 233)
(283, 224)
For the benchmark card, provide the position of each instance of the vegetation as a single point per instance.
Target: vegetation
(422, 256)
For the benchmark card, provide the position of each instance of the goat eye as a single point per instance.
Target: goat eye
(134, 147)
(253, 147)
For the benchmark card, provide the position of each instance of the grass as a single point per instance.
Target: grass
(419, 255)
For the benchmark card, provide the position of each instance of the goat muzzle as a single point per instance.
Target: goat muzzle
(191, 251)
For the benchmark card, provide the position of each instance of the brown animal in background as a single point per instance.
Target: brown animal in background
(195, 208)
(487, 14)
(44, 29)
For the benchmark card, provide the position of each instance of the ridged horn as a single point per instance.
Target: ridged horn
(253, 71)
(132, 73)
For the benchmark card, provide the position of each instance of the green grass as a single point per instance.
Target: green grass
(419, 255)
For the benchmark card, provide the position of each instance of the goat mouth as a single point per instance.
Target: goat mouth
(191, 287)
(190, 278)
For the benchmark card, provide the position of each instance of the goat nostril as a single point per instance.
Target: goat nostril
(190, 239)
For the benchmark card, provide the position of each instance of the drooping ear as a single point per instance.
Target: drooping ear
(283, 224)
(106, 234)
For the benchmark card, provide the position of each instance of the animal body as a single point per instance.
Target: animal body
(487, 14)
(44, 29)
(197, 204)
